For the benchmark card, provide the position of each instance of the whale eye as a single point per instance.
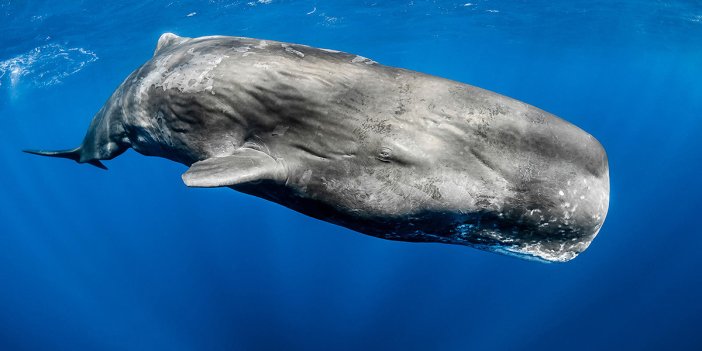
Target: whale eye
(384, 154)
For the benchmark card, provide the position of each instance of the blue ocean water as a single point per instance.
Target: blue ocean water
(131, 259)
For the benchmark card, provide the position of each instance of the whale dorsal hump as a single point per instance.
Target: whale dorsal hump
(245, 166)
(167, 40)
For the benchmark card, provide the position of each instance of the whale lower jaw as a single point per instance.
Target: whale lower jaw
(546, 251)
(537, 252)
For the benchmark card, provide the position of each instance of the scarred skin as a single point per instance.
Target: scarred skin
(384, 151)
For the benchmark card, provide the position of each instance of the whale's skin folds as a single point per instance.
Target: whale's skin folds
(384, 151)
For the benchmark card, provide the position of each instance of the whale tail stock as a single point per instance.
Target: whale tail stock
(73, 154)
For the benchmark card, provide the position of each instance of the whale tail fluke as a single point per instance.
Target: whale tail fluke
(73, 154)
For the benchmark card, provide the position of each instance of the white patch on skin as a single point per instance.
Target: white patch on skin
(289, 49)
(242, 49)
(465, 230)
(359, 59)
(262, 45)
(305, 178)
(192, 77)
(280, 130)
(561, 193)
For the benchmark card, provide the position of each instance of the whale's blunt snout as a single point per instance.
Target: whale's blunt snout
(73, 154)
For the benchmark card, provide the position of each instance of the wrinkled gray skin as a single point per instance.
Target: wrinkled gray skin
(384, 151)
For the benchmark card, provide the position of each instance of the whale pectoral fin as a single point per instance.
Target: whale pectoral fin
(247, 165)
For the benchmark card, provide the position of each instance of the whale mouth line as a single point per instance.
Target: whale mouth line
(72, 154)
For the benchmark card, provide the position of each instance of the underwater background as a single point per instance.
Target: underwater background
(131, 259)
